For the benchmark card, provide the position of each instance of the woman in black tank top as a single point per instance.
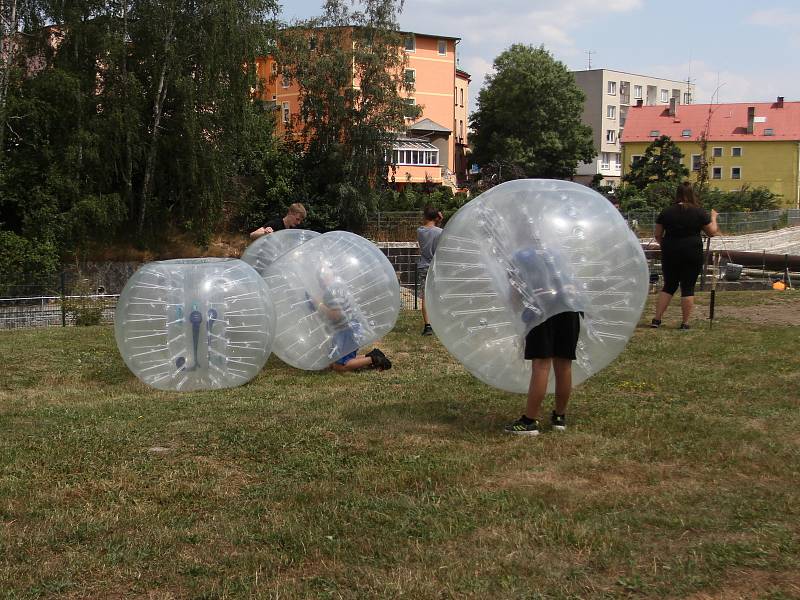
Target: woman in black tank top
(678, 229)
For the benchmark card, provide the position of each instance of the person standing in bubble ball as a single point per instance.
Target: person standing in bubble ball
(295, 215)
(339, 309)
(428, 235)
(549, 345)
(678, 229)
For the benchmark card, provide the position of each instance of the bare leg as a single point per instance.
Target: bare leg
(661, 304)
(687, 304)
(424, 313)
(562, 367)
(540, 372)
(359, 362)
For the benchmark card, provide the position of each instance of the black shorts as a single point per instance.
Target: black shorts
(555, 338)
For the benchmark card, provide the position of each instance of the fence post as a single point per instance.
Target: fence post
(63, 299)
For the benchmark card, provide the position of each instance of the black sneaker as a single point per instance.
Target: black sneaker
(655, 323)
(523, 426)
(379, 361)
(684, 326)
(427, 330)
(559, 422)
(375, 352)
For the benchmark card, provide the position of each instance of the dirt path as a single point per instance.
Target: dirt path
(782, 310)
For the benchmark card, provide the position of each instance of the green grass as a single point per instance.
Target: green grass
(678, 476)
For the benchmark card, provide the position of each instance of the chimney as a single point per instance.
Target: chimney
(639, 103)
(779, 103)
(751, 118)
(673, 107)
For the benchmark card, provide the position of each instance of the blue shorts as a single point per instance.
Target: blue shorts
(347, 358)
(346, 339)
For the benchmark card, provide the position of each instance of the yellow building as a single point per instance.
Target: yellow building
(752, 144)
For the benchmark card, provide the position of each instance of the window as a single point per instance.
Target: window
(716, 152)
(612, 88)
(455, 96)
(274, 68)
(409, 76)
(428, 156)
(286, 112)
(654, 133)
(736, 151)
(635, 158)
(287, 78)
(411, 43)
(736, 172)
(611, 135)
(461, 130)
(769, 131)
(410, 113)
(637, 92)
(442, 47)
(604, 160)
(611, 111)
(665, 95)
(696, 162)
(686, 133)
(687, 98)
(716, 173)
(461, 93)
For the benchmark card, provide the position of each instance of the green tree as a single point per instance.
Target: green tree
(746, 199)
(528, 117)
(346, 129)
(661, 162)
(143, 117)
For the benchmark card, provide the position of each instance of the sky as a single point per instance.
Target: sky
(733, 50)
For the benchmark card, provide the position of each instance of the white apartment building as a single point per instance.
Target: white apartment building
(609, 95)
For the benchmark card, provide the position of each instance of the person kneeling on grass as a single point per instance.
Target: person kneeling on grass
(340, 311)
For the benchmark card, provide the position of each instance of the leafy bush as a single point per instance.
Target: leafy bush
(82, 307)
(25, 262)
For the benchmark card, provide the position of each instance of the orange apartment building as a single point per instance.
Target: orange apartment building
(434, 146)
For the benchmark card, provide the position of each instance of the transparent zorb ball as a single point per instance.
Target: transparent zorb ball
(194, 324)
(522, 252)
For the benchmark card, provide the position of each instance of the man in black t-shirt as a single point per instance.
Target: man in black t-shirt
(294, 216)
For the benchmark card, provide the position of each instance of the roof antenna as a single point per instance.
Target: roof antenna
(589, 59)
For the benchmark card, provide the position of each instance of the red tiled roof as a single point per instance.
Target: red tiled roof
(728, 122)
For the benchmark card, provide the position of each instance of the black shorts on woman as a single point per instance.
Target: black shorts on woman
(557, 337)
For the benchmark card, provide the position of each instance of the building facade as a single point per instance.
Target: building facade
(433, 148)
(748, 144)
(609, 97)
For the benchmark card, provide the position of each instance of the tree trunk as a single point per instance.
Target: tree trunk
(127, 168)
(8, 28)
(158, 108)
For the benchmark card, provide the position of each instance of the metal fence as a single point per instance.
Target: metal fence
(643, 222)
(61, 300)
(400, 226)
(43, 311)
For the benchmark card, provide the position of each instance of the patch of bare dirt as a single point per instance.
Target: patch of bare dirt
(772, 313)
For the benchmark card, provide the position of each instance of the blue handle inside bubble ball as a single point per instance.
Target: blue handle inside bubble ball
(195, 318)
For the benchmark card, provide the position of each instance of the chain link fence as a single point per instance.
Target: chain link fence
(61, 300)
(643, 222)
